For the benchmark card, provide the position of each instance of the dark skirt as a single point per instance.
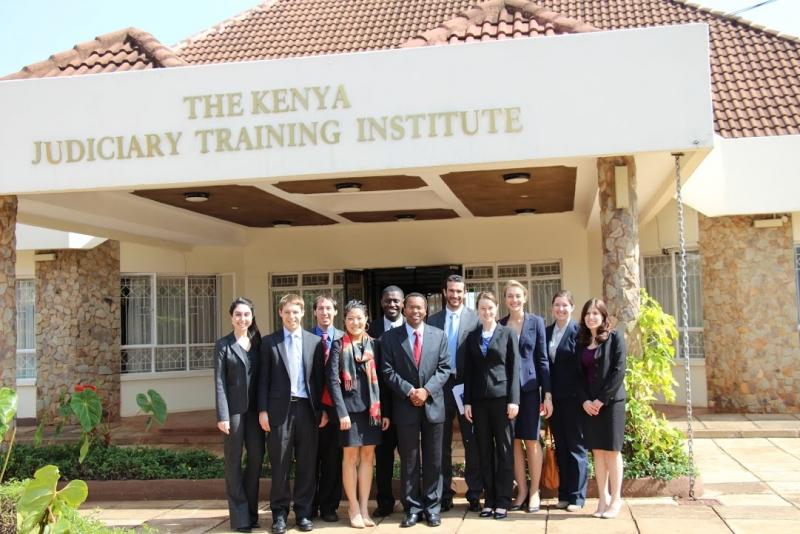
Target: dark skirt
(605, 430)
(526, 425)
(362, 431)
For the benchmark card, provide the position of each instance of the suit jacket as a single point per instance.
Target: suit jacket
(534, 367)
(274, 384)
(496, 374)
(466, 324)
(376, 331)
(235, 378)
(401, 374)
(609, 369)
(337, 334)
(564, 378)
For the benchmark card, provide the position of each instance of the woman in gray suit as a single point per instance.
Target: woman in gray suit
(235, 379)
(352, 377)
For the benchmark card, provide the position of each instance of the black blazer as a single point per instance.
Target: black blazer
(564, 378)
(401, 374)
(235, 378)
(466, 324)
(609, 376)
(534, 367)
(274, 385)
(495, 375)
(347, 402)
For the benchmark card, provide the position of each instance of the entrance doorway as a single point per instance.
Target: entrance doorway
(368, 284)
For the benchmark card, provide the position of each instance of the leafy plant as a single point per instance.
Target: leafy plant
(41, 505)
(85, 407)
(652, 447)
(152, 404)
(8, 410)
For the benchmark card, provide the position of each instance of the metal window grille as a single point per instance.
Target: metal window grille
(512, 271)
(482, 271)
(661, 282)
(26, 328)
(284, 280)
(543, 280)
(309, 286)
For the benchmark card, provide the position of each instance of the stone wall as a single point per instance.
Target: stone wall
(750, 316)
(620, 241)
(78, 326)
(8, 291)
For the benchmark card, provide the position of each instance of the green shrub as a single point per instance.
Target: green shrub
(115, 463)
(652, 447)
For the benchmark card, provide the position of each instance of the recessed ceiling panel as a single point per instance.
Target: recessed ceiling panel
(394, 215)
(366, 183)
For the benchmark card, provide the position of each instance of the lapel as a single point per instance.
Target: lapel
(308, 355)
(408, 345)
(239, 351)
(427, 343)
(280, 344)
(463, 327)
(568, 329)
(527, 326)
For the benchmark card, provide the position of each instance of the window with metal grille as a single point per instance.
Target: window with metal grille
(543, 281)
(169, 323)
(26, 328)
(309, 286)
(661, 280)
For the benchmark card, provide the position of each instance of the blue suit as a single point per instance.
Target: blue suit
(567, 418)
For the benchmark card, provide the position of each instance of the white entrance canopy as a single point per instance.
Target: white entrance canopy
(511, 101)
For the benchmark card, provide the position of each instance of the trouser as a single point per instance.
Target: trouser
(494, 433)
(571, 455)
(420, 446)
(329, 465)
(472, 473)
(242, 488)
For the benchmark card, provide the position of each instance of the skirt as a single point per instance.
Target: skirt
(605, 430)
(362, 431)
(526, 425)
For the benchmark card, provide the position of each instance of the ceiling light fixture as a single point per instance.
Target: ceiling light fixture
(525, 211)
(196, 196)
(517, 177)
(348, 187)
(405, 217)
(281, 224)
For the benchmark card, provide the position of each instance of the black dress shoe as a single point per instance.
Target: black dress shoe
(500, 515)
(383, 511)
(330, 517)
(304, 524)
(447, 504)
(244, 529)
(474, 506)
(434, 520)
(278, 525)
(255, 524)
(486, 513)
(409, 520)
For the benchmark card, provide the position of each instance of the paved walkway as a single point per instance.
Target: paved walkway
(752, 485)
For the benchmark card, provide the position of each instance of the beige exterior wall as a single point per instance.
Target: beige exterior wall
(183, 391)
(662, 231)
(25, 264)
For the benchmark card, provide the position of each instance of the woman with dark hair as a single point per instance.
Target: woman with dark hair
(601, 367)
(352, 378)
(491, 402)
(235, 378)
(567, 420)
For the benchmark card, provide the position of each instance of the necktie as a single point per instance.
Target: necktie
(417, 348)
(452, 341)
(325, 348)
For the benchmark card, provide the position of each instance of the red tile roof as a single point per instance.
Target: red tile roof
(128, 49)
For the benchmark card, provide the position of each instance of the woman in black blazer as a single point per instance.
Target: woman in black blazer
(601, 367)
(534, 374)
(352, 377)
(235, 379)
(491, 402)
(567, 420)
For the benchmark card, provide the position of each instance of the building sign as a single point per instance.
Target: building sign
(505, 101)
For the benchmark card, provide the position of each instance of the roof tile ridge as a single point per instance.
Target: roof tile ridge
(220, 26)
(161, 53)
(740, 20)
(546, 15)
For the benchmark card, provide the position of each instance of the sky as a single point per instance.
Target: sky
(32, 30)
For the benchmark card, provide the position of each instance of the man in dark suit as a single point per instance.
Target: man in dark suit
(415, 366)
(289, 403)
(457, 321)
(329, 455)
(392, 305)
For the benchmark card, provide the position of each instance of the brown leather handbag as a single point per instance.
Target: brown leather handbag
(550, 477)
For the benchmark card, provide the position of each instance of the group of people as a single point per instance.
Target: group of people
(333, 403)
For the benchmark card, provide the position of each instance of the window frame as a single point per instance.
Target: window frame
(308, 315)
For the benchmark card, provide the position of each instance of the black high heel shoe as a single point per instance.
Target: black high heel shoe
(521, 506)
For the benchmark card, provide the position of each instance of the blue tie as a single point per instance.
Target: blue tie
(452, 341)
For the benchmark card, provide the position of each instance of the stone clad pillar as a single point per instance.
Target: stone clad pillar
(750, 315)
(620, 240)
(8, 291)
(78, 326)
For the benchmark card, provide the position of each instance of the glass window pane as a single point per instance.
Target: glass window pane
(546, 269)
(541, 297)
(512, 271)
(694, 289)
(658, 281)
(26, 315)
(202, 309)
(170, 310)
(473, 288)
(26, 364)
(136, 310)
(696, 344)
(277, 295)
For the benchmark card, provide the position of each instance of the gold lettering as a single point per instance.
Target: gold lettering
(153, 142)
(492, 113)
(279, 104)
(192, 101)
(513, 124)
(72, 146)
(135, 146)
(223, 139)
(173, 142)
(320, 93)
(90, 149)
(203, 135)
(234, 104)
(277, 134)
(396, 124)
(464, 127)
(50, 157)
(37, 153)
(100, 148)
(259, 106)
(415, 124)
(297, 96)
(330, 138)
(341, 99)
(448, 124)
(244, 139)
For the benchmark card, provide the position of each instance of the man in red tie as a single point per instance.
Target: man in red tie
(329, 453)
(415, 365)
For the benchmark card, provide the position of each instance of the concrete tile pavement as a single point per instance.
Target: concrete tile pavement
(751, 485)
